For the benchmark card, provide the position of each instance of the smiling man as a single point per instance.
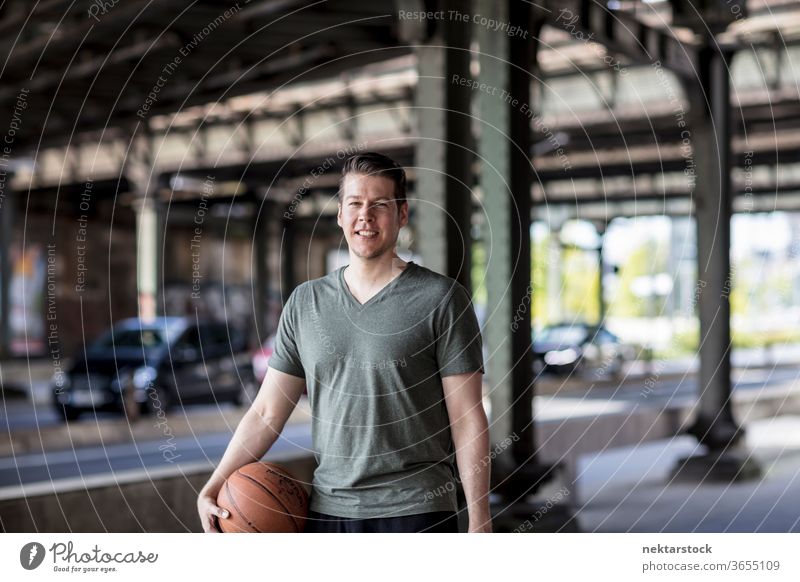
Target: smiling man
(390, 353)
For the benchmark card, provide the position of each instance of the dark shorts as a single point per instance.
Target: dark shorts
(434, 522)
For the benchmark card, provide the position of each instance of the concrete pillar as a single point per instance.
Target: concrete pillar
(714, 426)
(505, 120)
(143, 179)
(443, 154)
(506, 187)
(601, 299)
(147, 250)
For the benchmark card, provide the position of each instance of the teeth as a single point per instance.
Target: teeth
(366, 233)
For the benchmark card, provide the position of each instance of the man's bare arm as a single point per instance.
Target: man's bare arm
(257, 431)
(470, 429)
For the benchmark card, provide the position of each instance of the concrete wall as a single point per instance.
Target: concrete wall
(164, 503)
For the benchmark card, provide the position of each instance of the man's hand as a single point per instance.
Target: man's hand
(209, 512)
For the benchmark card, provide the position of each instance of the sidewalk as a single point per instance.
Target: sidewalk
(628, 489)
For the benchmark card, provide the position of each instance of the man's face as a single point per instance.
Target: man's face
(369, 216)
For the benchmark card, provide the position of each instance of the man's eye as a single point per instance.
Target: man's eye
(354, 204)
(381, 205)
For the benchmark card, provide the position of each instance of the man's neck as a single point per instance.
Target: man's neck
(377, 271)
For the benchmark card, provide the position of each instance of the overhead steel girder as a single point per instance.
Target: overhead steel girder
(210, 53)
(622, 33)
(707, 16)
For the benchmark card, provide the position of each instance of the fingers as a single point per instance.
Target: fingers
(216, 514)
(214, 527)
(209, 515)
(209, 526)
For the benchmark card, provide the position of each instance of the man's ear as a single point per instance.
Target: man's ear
(339, 214)
(403, 210)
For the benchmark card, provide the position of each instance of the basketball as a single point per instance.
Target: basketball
(261, 498)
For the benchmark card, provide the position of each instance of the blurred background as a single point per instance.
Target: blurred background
(616, 183)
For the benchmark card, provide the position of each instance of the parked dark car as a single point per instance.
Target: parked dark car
(578, 347)
(153, 366)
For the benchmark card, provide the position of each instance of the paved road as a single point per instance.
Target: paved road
(210, 447)
(85, 461)
(19, 413)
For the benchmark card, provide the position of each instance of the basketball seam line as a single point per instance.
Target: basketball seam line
(239, 511)
(282, 471)
(286, 509)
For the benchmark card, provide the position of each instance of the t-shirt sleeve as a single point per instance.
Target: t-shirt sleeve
(459, 347)
(285, 355)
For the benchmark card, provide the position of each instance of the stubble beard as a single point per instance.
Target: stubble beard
(379, 252)
(373, 255)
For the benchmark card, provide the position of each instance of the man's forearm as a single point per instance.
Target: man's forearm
(471, 440)
(252, 439)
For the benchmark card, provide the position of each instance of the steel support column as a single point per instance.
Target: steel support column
(714, 426)
(505, 180)
(444, 153)
(147, 250)
(150, 230)
(601, 227)
(505, 113)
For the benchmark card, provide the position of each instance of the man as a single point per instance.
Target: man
(391, 355)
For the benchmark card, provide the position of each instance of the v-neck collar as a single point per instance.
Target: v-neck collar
(352, 299)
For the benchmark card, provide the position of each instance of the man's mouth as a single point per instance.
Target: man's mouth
(367, 233)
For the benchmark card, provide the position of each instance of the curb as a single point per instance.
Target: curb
(116, 431)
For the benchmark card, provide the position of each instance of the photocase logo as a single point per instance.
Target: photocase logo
(31, 555)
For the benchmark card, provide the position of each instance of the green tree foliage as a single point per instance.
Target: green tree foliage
(648, 258)
(579, 285)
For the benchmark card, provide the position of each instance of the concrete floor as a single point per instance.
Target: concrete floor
(629, 489)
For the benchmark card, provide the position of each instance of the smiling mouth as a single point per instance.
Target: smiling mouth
(367, 233)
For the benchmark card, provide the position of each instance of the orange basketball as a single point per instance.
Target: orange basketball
(263, 497)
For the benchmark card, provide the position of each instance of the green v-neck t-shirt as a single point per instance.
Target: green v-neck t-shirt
(380, 429)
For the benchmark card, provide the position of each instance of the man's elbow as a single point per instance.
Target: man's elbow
(472, 419)
(265, 417)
